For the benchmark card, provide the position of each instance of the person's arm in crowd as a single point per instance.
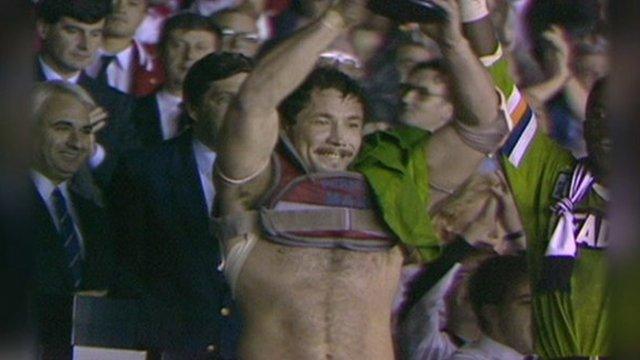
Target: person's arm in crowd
(251, 127)
(98, 119)
(576, 96)
(562, 78)
(479, 127)
(421, 333)
(476, 101)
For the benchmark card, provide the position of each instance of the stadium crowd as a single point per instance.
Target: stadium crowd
(320, 179)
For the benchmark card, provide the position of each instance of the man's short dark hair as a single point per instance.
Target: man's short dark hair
(320, 79)
(86, 11)
(211, 68)
(187, 22)
(494, 280)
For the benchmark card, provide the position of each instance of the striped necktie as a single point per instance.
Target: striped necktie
(68, 234)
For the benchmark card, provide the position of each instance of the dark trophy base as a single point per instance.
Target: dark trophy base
(406, 11)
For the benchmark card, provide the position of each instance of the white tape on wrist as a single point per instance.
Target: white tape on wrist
(472, 10)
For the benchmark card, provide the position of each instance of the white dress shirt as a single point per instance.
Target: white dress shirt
(50, 74)
(169, 107)
(120, 71)
(205, 158)
(486, 349)
(45, 188)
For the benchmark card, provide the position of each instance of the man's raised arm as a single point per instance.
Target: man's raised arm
(475, 98)
(251, 126)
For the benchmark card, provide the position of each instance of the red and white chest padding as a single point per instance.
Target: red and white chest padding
(323, 210)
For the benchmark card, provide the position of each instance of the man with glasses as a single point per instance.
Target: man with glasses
(240, 33)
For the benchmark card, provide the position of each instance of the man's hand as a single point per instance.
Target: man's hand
(98, 119)
(560, 51)
(449, 31)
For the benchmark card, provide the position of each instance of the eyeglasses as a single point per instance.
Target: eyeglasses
(248, 36)
(422, 92)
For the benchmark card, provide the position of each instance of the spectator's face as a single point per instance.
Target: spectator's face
(209, 115)
(328, 131)
(515, 319)
(71, 45)
(63, 138)
(239, 33)
(183, 49)
(125, 18)
(598, 139)
(425, 100)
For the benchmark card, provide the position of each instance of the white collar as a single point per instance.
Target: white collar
(166, 97)
(50, 74)
(125, 57)
(497, 350)
(205, 157)
(46, 187)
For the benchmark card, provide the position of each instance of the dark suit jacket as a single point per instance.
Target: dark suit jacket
(119, 135)
(158, 210)
(146, 120)
(52, 280)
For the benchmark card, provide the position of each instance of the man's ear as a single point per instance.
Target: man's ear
(43, 29)
(191, 111)
(449, 110)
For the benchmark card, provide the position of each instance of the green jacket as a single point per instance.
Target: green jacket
(395, 165)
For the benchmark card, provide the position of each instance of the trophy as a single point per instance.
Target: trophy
(406, 11)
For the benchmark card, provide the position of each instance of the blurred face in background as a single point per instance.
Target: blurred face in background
(239, 33)
(425, 100)
(125, 17)
(183, 49)
(70, 45)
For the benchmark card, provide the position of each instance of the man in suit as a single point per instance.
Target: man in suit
(71, 241)
(71, 33)
(125, 63)
(160, 204)
(186, 38)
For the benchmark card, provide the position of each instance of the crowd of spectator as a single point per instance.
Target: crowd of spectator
(314, 179)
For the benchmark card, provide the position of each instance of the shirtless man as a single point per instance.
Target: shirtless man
(313, 268)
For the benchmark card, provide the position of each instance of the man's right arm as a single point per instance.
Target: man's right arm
(251, 127)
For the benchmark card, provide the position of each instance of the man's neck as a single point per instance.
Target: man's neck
(114, 45)
(63, 72)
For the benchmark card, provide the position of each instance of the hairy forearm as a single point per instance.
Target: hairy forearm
(481, 36)
(476, 98)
